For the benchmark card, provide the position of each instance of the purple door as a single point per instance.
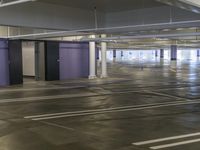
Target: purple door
(74, 60)
(4, 67)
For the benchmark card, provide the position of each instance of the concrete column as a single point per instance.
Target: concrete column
(161, 53)
(173, 52)
(114, 53)
(198, 53)
(103, 58)
(122, 54)
(92, 53)
(156, 53)
(97, 53)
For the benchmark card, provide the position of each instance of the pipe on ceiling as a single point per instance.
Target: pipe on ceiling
(101, 30)
(108, 39)
(15, 2)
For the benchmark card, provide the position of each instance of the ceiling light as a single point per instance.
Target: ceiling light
(15, 2)
(166, 30)
(179, 29)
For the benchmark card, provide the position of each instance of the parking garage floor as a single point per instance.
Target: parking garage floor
(145, 105)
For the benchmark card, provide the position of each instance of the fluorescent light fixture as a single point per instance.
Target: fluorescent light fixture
(179, 29)
(166, 30)
(15, 2)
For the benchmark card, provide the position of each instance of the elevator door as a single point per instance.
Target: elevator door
(4, 67)
(15, 62)
(52, 61)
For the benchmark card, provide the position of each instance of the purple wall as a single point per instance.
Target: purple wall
(4, 67)
(74, 60)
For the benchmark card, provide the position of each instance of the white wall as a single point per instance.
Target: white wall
(28, 53)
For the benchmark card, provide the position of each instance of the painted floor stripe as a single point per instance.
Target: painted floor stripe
(97, 110)
(165, 95)
(166, 139)
(109, 111)
(40, 98)
(173, 70)
(175, 144)
(38, 89)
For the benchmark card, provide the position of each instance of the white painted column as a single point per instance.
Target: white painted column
(92, 54)
(103, 58)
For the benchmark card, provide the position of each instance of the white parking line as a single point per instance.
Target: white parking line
(109, 110)
(38, 89)
(100, 110)
(40, 98)
(166, 139)
(175, 144)
(165, 95)
(173, 70)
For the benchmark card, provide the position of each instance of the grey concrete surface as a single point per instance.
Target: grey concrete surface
(138, 102)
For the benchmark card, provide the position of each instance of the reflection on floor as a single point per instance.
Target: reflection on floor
(28, 79)
(142, 105)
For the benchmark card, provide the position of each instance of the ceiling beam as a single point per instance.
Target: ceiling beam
(111, 39)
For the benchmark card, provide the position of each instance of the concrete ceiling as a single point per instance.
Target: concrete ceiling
(106, 5)
(116, 18)
(120, 15)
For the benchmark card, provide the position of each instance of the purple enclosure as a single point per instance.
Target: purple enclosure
(4, 67)
(74, 60)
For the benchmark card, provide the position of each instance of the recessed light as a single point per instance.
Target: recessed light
(166, 29)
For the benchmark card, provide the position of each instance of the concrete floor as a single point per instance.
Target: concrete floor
(143, 101)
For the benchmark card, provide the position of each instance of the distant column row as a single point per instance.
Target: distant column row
(173, 57)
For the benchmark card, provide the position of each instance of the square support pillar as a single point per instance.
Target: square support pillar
(103, 58)
(173, 52)
(97, 53)
(92, 54)
(122, 54)
(156, 53)
(198, 53)
(114, 53)
(161, 53)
